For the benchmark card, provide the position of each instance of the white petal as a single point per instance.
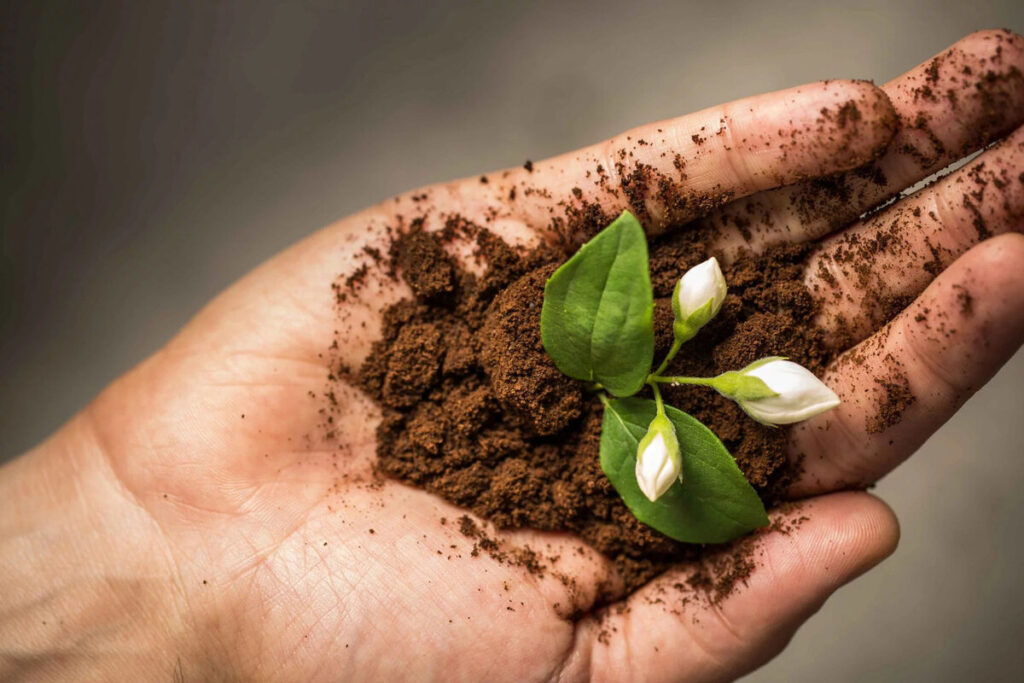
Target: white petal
(801, 394)
(700, 283)
(655, 470)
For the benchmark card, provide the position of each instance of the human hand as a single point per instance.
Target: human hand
(252, 547)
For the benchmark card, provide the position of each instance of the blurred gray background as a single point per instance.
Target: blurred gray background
(152, 153)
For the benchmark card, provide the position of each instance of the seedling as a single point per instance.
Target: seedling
(674, 474)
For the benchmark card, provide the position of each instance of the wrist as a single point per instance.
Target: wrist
(86, 588)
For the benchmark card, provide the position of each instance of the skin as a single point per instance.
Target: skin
(192, 522)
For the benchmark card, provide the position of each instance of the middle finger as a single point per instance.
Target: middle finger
(948, 107)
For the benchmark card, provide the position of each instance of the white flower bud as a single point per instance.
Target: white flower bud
(698, 297)
(799, 394)
(658, 462)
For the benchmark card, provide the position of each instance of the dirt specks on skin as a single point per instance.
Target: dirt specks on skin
(659, 190)
(894, 398)
(965, 301)
(981, 87)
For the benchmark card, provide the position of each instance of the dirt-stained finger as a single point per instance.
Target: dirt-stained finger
(865, 275)
(901, 384)
(949, 106)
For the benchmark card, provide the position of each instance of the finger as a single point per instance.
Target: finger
(670, 172)
(900, 385)
(666, 631)
(953, 104)
(691, 163)
(867, 274)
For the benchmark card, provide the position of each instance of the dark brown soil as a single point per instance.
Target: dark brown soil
(476, 412)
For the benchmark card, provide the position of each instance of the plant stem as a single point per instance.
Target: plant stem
(702, 381)
(676, 344)
(657, 399)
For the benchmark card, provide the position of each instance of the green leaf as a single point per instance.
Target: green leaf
(597, 319)
(714, 503)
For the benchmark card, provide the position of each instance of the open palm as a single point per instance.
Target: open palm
(274, 553)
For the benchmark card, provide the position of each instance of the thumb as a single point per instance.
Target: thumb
(672, 631)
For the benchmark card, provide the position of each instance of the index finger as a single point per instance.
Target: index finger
(667, 172)
(671, 172)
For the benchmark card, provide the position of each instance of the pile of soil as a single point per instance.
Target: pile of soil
(476, 412)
